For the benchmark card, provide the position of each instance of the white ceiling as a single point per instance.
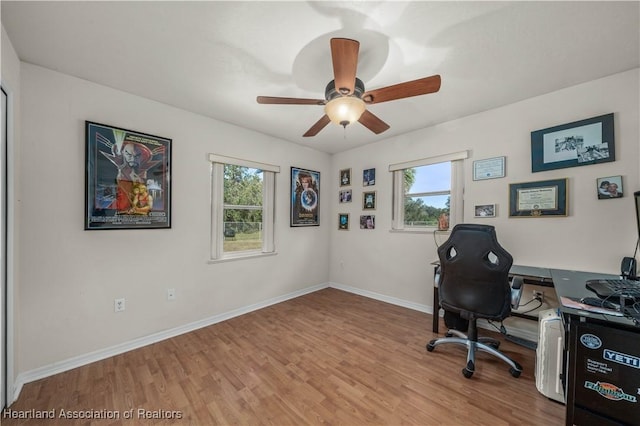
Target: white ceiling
(213, 58)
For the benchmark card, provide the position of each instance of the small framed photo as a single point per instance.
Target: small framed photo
(609, 187)
(343, 221)
(485, 210)
(345, 196)
(345, 177)
(367, 222)
(369, 200)
(580, 143)
(369, 177)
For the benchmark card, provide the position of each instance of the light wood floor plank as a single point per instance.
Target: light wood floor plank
(329, 357)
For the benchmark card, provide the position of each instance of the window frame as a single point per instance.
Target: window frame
(217, 253)
(456, 213)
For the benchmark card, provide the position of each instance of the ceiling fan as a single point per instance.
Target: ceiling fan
(345, 96)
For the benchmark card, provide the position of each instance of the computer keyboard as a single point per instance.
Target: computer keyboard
(605, 288)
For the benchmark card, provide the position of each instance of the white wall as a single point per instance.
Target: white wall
(594, 237)
(70, 277)
(10, 79)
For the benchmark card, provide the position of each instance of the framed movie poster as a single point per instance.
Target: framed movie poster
(127, 179)
(305, 197)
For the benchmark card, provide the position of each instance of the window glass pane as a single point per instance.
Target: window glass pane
(242, 186)
(431, 178)
(242, 230)
(425, 211)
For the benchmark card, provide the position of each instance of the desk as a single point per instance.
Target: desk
(529, 274)
(602, 359)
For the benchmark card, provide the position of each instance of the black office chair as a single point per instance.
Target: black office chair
(474, 283)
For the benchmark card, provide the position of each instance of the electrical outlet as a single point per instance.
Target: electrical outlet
(171, 294)
(118, 305)
(538, 295)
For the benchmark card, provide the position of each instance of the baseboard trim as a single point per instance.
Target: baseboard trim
(383, 298)
(79, 361)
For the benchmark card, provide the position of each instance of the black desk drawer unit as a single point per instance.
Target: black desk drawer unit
(604, 386)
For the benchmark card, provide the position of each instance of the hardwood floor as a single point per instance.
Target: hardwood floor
(329, 357)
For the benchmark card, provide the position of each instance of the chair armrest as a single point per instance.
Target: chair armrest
(436, 277)
(516, 291)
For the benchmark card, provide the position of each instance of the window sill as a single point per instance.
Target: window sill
(419, 231)
(230, 258)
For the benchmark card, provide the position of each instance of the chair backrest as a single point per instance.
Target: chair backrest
(474, 274)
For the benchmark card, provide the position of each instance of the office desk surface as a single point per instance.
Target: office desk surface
(572, 284)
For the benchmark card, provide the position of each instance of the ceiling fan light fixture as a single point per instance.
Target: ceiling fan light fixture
(344, 110)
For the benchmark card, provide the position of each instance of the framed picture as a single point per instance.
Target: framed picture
(345, 196)
(490, 168)
(580, 143)
(369, 200)
(343, 221)
(367, 222)
(127, 179)
(485, 210)
(305, 197)
(609, 187)
(345, 177)
(368, 177)
(538, 199)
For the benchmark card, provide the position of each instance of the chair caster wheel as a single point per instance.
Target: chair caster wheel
(515, 373)
(468, 370)
(431, 346)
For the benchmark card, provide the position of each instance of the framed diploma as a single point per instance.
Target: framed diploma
(538, 199)
(490, 168)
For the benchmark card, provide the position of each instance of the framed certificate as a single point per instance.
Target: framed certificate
(490, 168)
(538, 199)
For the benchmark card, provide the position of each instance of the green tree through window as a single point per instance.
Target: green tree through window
(243, 188)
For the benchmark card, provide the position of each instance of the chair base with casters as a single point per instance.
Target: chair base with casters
(473, 283)
(474, 343)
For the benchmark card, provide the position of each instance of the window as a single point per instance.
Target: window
(425, 189)
(242, 211)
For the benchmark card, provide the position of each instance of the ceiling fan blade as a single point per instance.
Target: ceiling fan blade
(289, 101)
(320, 124)
(422, 86)
(372, 122)
(344, 54)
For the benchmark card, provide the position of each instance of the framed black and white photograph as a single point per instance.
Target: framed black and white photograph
(609, 187)
(343, 221)
(485, 210)
(539, 199)
(368, 177)
(345, 196)
(127, 179)
(369, 200)
(345, 177)
(489, 168)
(367, 222)
(580, 143)
(305, 197)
